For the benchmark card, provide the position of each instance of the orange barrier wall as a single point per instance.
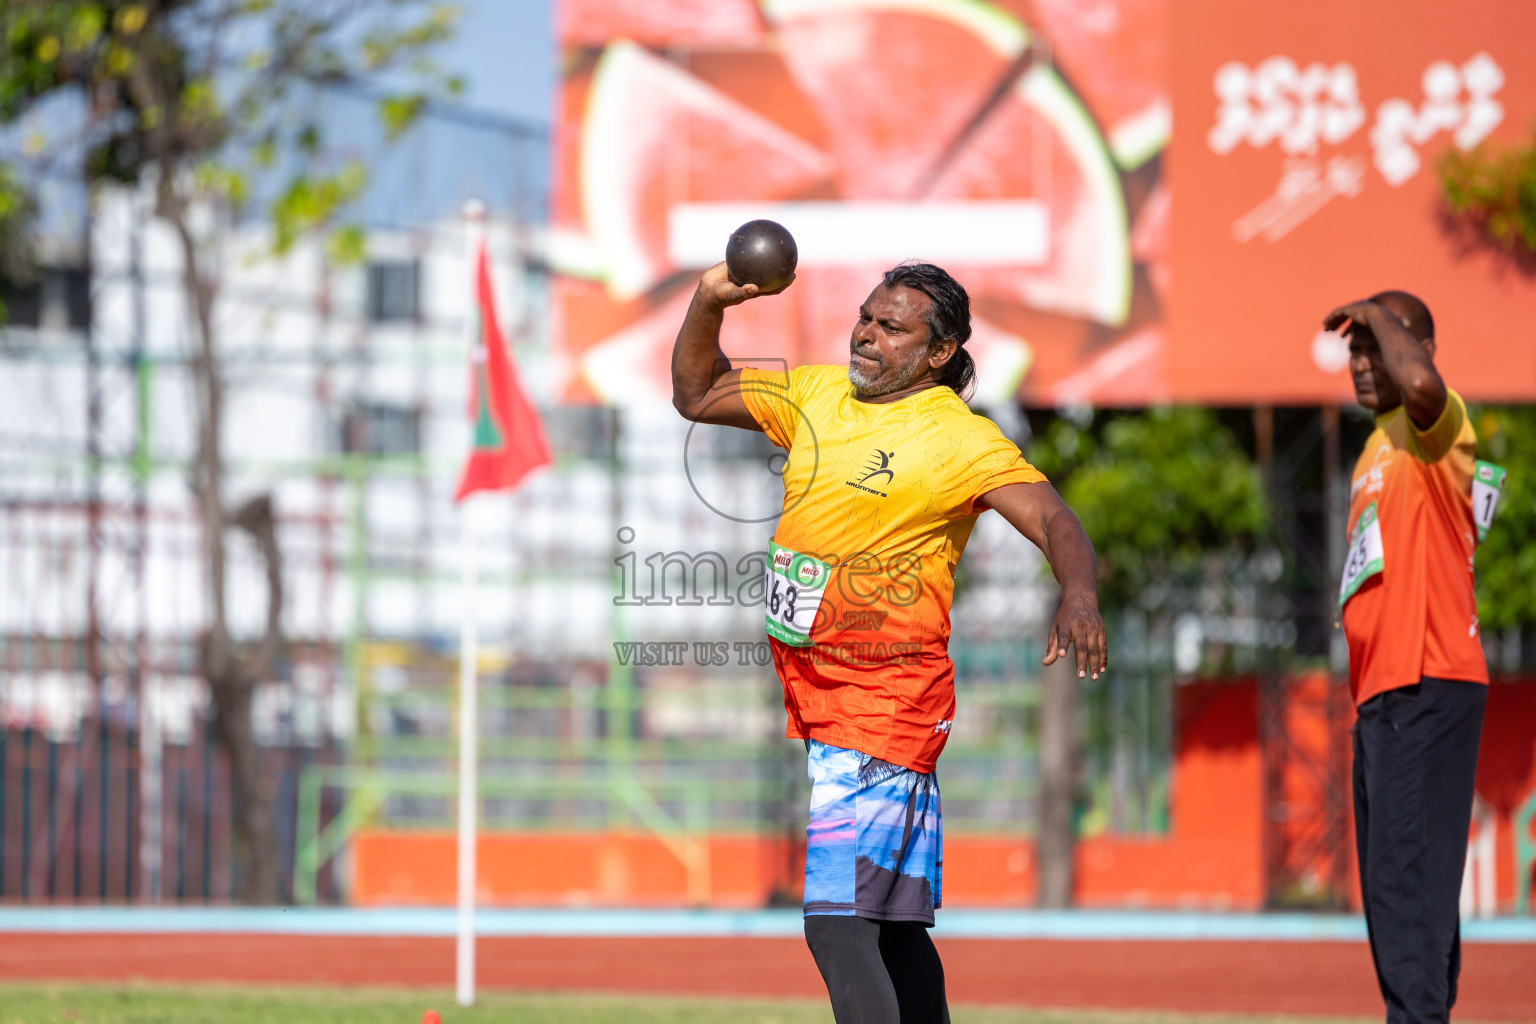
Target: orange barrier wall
(1211, 858)
(567, 869)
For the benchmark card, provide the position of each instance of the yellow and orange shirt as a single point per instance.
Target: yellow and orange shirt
(1417, 616)
(885, 495)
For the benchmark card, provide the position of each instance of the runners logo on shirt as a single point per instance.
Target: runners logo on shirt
(943, 725)
(876, 467)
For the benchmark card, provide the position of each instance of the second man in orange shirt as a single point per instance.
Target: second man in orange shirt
(1416, 666)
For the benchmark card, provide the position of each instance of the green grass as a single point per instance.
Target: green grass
(153, 1004)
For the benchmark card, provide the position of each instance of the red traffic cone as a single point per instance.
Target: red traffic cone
(431, 1017)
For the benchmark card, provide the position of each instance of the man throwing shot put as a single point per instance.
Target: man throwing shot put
(1416, 666)
(887, 471)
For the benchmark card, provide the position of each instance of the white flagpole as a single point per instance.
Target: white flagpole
(469, 804)
(468, 783)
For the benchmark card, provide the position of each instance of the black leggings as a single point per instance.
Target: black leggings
(878, 972)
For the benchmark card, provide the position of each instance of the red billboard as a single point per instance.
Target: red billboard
(1027, 146)
(1304, 176)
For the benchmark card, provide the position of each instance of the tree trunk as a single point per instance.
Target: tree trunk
(1060, 760)
(255, 833)
(232, 674)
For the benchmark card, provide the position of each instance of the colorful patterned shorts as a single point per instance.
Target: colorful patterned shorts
(874, 847)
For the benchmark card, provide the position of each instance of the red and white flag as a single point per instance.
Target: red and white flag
(508, 436)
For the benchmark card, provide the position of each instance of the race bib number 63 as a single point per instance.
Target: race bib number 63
(794, 585)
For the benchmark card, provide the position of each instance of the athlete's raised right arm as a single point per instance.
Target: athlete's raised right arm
(704, 387)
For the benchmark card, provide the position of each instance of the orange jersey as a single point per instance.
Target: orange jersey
(883, 497)
(1409, 608)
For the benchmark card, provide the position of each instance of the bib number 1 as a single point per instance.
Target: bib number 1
(793, 587)
(1487, 485)
(1366, 554)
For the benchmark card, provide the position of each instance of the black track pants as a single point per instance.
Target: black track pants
(1415, 762)
(878, 972)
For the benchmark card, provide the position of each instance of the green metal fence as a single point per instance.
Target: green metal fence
(563, 758)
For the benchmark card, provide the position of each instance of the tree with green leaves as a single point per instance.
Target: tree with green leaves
(1159, 492)
(1490, 198)
(18, 212)
(198, 101)
(1506, 560)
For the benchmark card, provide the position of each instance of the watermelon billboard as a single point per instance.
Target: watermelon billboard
(1026, 146)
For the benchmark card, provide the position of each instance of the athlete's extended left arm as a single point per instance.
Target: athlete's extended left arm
(1038, 512)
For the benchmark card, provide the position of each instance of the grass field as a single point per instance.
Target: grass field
(148, 1004)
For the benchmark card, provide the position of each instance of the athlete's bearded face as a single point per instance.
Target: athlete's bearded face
(889, 349)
